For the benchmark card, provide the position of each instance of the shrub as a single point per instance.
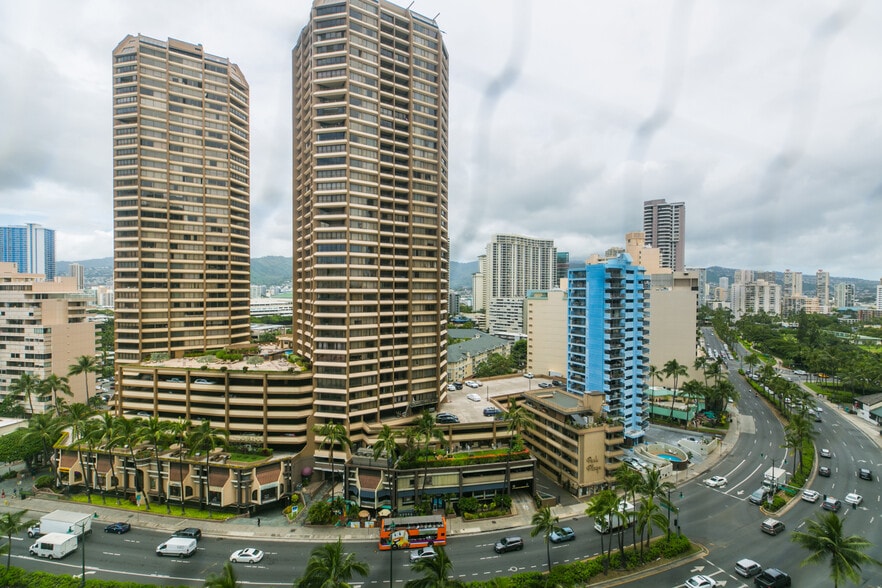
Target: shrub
(468, 504)
(45, 481)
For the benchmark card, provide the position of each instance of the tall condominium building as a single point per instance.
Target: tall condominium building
(792, 283)
(606, 350)
(563, 266)
(822, 287)
(879, 295)
(843, 295)
(29, 246)
(78, 272)
(665, 227)
(744, 276)
(514, 265)
(180, 199)
(370, 226)
(43, 328)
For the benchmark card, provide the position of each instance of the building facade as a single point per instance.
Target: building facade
(843, 295)
(607, 338)
(370, 218)
(29, 246)
(546, 327)
(664, 225)
(792, 283)
(44, 329)
(181, 199)
(672, 301)
(822, 288)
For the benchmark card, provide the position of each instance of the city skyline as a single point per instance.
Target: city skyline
(758, 120)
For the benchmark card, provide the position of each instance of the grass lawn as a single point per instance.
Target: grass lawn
(159, 509)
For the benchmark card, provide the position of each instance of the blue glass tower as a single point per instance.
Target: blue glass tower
(31, 247)
(606, 332)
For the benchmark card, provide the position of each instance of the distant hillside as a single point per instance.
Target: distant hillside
(461, 274)
(273, 270)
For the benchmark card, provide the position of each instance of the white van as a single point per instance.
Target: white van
(177, 546)
(54, 545)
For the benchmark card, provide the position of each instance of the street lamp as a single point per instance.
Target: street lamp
(82, 539)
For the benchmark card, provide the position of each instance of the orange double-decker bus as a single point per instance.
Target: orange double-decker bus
(413, 532)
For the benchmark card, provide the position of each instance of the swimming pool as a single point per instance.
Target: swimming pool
(668, 457)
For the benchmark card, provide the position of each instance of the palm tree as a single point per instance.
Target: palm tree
(226, 579)
(179, 430)
(428, 430)
(10, 524)
(545, 523)
(46, 429)
(125, 435)
(85, 364)
(600, 507)
(649, 515)
(674, 369)
(52, 385)
(752, 361)
(332, 434)
(77, 416)
(798, 430)
(824, 538)
(206, 438)
(156, 433)
(653, 373)
(387, 443)
(517, 418)
(27, 386)
(631, 482)
(436, 572)
(96, 431)
(654, 487)
(330, 567)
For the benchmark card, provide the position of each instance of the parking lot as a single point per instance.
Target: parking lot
(490, 393)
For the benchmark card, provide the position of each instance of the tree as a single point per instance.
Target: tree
(674, 369)
(631, 482)
(796, 432)
(600, 507)
(332, 434)
(52, 385)
(824, 537)
(226, 579)
(518, 354)
(45, 429)
(125, 434)
(496, 364)
(76, 416)
(85, 364)
(544, 523)
(206, 438)
(649, 515)
(429, 431)
(330, 567)
(752, 361)
(653, 486)
(26, 386)
(387, 444)
(10, 524)
(436, 572)
(179, 430)
(156, 433)
(11, 407)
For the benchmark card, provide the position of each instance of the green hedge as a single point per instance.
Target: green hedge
(19, 578)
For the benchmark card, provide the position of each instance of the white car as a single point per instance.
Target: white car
(716, 482)
(471, 383)
(528, 375)
(247, 555)
(854, 499)
(473, 397)
(811, 495)
(424, 553)
(451, 388)
(700, 581)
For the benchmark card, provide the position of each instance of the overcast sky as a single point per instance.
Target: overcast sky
(763, 117)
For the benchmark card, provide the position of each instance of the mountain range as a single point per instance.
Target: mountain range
(275, 270)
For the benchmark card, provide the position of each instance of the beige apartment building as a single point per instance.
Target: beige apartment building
(43, 329)
(673, 316)
(181, 195)
(370, 217)
(546, 326)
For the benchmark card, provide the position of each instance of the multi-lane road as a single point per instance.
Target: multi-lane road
(722, 519)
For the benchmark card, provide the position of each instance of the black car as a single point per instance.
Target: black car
(556, 383)
(824, 471)
(189, 533)
(508, 544)
(118, 528)
(772, 578)
(445, 418)
(865, 474)
(492, 411)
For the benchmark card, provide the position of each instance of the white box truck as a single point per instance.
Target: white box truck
(774, 479)
(54, 545)
(611, 523)
(62, 521)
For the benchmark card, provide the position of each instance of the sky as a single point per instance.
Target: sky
(565, 115)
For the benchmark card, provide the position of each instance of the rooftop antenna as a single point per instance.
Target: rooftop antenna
(436, 16)
(409, 5)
